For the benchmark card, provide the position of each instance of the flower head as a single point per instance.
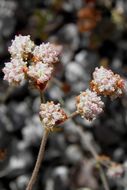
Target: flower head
(21, 46)
(40, 73)
(51, 114)
(106, 83)
(47, 53)
(31, 62)
(89, 105)
(14, 71)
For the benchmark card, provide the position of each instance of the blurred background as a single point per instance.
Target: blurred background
(92, 33)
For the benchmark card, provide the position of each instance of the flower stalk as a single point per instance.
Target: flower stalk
(39, 161)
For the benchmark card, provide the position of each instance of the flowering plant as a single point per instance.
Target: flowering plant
(36, 64)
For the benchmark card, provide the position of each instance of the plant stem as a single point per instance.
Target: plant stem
(103, 178)
(42, 97)
(39, 160)
(86, 142)
(72, 115)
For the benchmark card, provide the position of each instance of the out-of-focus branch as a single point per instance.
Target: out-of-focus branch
(86, 142)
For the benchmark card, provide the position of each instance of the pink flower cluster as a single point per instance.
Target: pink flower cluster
(106, 83)
(14, 71)
(40, 72)
(89, 105)
(51, 114)
(31, 62)
(21, 45)
(47, 53)
(36, 64)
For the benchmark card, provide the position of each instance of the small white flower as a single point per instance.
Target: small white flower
(89, 105)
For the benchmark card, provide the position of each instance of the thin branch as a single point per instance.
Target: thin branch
(94, 153)
(86, 142)
(103, 178)
(72, 115)
(42, 97)
(39, 161)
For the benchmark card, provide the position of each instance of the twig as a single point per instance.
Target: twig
(72, 115)
(39, 160)
(87, 142)
(103, 178)
(42, 97)
(40, 154)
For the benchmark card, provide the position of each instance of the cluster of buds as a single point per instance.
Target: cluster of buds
(89, 105)
(21, 47)
(36, 64)
(47, 53)
(30, 62)
(14, 71)
(52, 115)
(106, 83)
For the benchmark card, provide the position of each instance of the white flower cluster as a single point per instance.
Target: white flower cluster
(21, 45)
(31, 62)
(40, 71)
(105, 82)
(14, 71)
(36, 64)
(89, 105)
(51, 114)
(47, 53)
